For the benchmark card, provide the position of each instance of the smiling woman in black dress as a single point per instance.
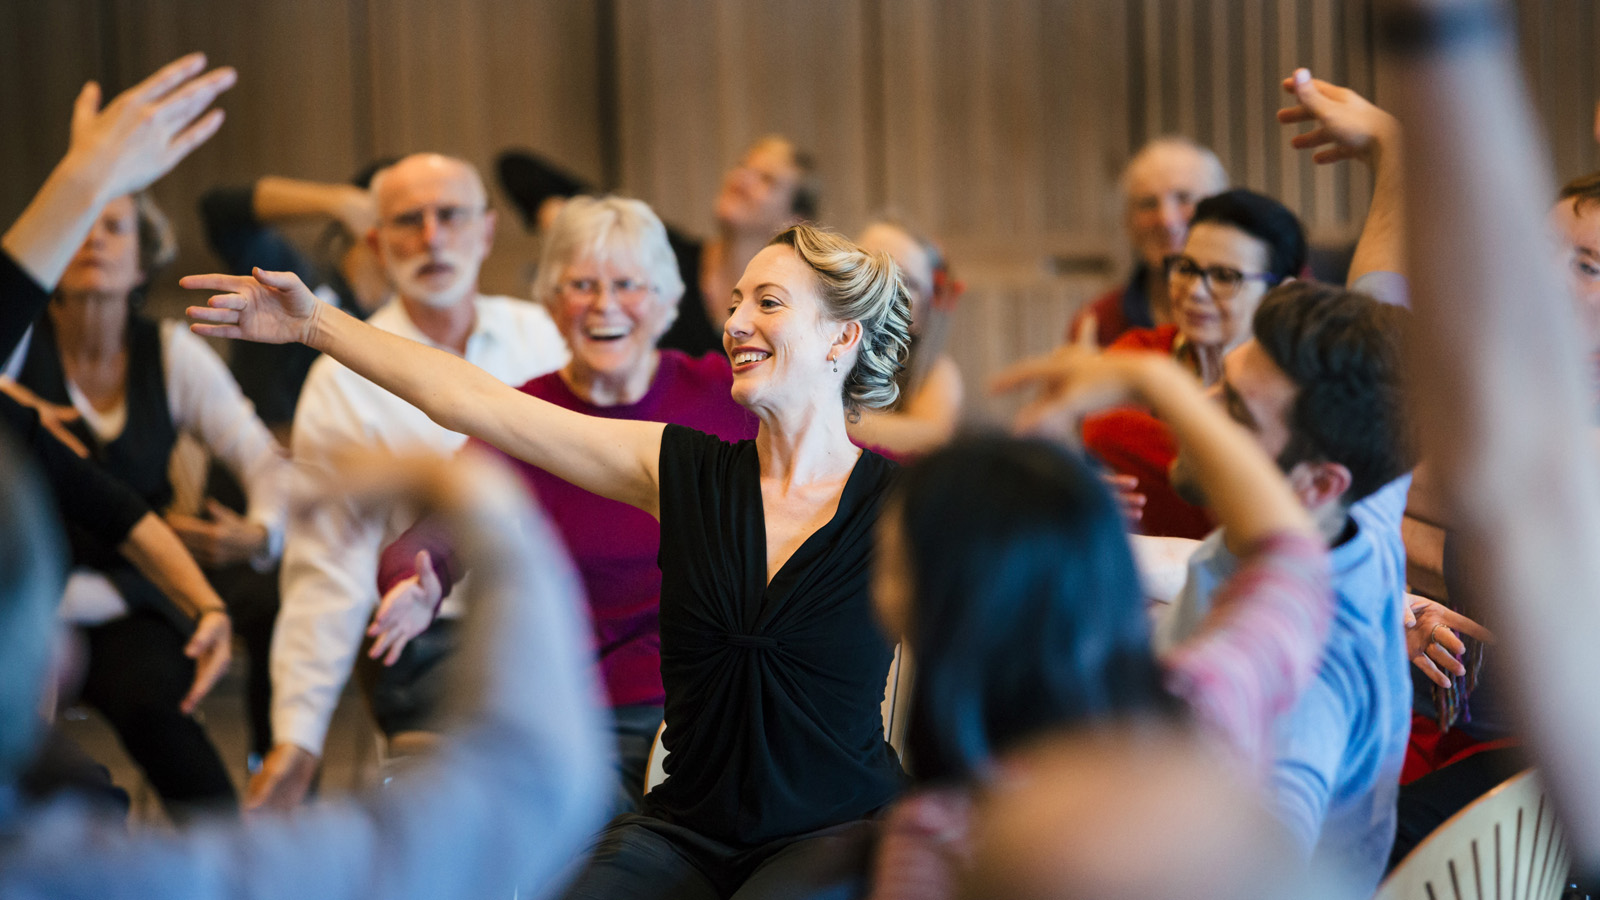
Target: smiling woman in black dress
(772, 663)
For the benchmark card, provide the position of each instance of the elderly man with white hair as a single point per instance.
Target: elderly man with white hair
(1160, 187)
(433, 233)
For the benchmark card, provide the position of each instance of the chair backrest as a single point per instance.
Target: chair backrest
(1505, 845)
(896, 709)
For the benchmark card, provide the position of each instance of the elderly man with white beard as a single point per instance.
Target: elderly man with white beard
(434, 230)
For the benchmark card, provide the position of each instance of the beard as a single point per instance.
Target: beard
(438, 291)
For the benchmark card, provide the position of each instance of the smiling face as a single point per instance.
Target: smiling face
(757, 195)
(1204, 317)
(1578, 228)
(778, 336)
(610, 315)
(108, 261)
(433, 229)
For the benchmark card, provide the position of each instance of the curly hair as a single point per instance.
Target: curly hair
(866, 288)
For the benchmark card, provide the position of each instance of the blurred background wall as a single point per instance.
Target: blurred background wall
(997, 125)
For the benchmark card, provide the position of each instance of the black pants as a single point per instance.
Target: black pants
(137, 676)
(1424, 804)
(644, 858)
(252, 600)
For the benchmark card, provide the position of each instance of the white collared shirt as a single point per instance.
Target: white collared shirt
(330, 559)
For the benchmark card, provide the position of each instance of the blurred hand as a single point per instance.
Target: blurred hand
(1348, 125)
(406, 611)
(284, 779)
(211, 648)
(1432, 639)
(267, 307)
(148, 128)
(1125, 490)
(1074, 382)
(357, 212)
(221, 539)
(53, 416)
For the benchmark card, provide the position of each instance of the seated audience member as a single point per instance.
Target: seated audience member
(1318, 385)
(1239, 245)
(433, 232)
(136, 386)
(1029, 618)
(507, 802)
(610, 281)
(930, 385)
(1461, 741)
(1160, 187)
(241, 227)
(773, 186)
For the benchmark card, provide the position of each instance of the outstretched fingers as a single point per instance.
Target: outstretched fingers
(169, 76)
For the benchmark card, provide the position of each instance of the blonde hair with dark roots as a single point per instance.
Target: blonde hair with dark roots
(866, 288)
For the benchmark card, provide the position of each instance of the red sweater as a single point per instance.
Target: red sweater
(1131, 441)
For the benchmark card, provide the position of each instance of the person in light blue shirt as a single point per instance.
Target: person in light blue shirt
(1319, 385)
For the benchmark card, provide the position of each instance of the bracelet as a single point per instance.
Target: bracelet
(1413, 31)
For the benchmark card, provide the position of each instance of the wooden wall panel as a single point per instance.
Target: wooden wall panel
(997, 125)
(36, 96)
(471, 78)
(1558, 40)
(699, 80)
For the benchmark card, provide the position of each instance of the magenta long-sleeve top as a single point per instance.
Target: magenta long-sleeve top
(614, 545)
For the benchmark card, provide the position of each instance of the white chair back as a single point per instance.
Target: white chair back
(1506, 845)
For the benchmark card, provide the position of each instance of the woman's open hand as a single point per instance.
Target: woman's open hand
(406, 611)
(266, 307)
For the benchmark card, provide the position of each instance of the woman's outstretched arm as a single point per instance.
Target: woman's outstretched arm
(614, 458)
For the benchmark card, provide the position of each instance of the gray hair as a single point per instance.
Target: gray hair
(866, 288)
(604, 228)
(1216, 175)
(158, 244)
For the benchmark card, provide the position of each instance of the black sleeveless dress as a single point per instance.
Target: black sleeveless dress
(773, 692)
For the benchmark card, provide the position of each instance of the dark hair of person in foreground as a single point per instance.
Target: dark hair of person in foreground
(1028, 613)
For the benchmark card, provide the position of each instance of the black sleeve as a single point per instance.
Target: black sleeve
(21, 301)
(244, 241)
(87, 497)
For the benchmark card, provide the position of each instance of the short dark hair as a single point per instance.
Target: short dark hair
(1264, 219)
(1027, 612)
(1342, 350)
(1582, 191)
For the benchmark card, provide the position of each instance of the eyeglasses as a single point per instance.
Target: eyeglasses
(627, 290)
(449, 218)
(1223, 282)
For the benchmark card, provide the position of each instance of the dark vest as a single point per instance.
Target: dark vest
(139, 456)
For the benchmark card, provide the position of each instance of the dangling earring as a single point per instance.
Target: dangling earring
(835, 361)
